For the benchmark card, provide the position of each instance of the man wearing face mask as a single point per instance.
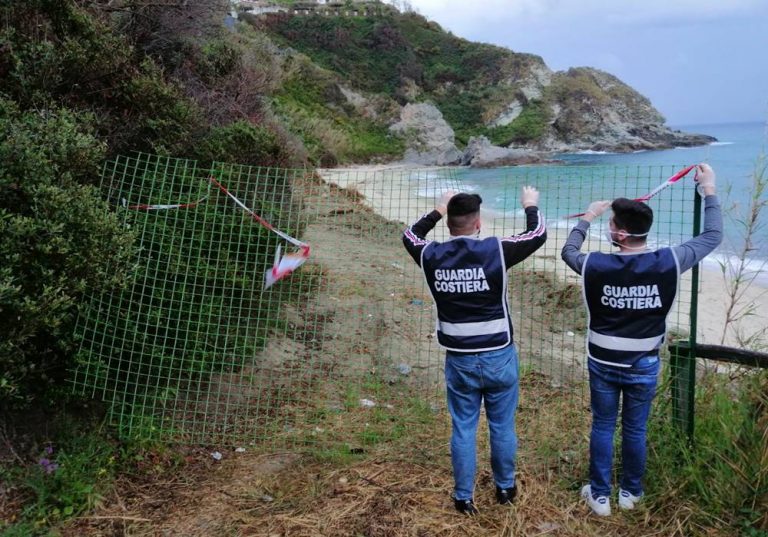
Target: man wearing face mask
(467, 277)
(628, 295)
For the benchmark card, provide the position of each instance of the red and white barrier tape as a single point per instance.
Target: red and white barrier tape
(282, 267)
(285, 265)
(669, 182)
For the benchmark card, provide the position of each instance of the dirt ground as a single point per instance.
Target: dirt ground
(399, 488)
(382, 471)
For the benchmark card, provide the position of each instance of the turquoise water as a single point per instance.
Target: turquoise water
(568, 188)
(733, 156)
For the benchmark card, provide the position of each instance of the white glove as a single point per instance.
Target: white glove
(596, 208)
(530, 197)
(705, 180)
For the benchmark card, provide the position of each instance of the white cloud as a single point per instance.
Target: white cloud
(520, 12)
(607, 61)
(663, 48)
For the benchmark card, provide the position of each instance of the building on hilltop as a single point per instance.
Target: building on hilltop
(264, 4)
(304, 7)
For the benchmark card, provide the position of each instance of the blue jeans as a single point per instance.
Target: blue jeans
(606, 385)
(471, 379)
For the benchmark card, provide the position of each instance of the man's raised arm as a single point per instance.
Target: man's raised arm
(414, 237)
(518, 247)
(691, 252)
(571, 252)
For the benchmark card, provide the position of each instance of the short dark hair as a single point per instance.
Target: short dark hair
(463, 203)
(633, 216)
(462, 208)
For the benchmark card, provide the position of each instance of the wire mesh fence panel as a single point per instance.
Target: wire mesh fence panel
(340, 353)
(545, 296)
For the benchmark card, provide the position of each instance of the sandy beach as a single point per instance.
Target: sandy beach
(403, 193)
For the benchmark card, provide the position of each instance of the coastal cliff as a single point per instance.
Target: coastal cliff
(466, 90)
(311, 83)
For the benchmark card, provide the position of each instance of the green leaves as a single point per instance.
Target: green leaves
(242, 141)
(69, 478)
(57, 237)
(529, 126)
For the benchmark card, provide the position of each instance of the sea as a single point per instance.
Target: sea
(568, 188)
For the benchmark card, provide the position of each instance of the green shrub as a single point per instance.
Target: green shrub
(244, 143)
(171, 328)
(372, 53)
(371, 141)
(722, 479)
(69, 478)
(194, 309)
(164, 122)
(219, 58)
(67, 470)
(58, 52)
(529, 126)
(463, 111)
(57, 239)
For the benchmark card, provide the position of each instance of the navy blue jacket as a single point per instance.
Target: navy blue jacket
(628, 297)
(468, 281)
(687, 254)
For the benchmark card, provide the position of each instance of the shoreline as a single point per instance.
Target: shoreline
(541, 157)
(389, 191)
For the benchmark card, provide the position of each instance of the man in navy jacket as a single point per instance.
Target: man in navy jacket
(628, 295)
(467, 276)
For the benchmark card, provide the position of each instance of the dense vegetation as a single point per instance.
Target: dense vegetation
(74, 90)
(54, 234)
(82, 82)
(722, 478)
(312, 105)
(408, 58)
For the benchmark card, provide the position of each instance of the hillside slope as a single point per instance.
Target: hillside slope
(511, 98)
(287, 89)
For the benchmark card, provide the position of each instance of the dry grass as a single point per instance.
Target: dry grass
(396, 488)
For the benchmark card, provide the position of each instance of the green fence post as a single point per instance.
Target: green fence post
(683, 356)
(683, 376)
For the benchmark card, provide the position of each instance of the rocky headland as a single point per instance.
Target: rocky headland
(603, 115)
(409, 91)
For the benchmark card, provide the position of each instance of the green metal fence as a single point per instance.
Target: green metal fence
(341, 352)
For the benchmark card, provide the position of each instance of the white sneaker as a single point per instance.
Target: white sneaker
(601, 505)
(627, 500)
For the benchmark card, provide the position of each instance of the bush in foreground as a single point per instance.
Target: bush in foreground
(57, 239)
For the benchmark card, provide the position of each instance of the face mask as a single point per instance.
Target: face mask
(609, 237)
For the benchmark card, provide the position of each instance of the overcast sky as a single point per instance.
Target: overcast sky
(698, 61)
